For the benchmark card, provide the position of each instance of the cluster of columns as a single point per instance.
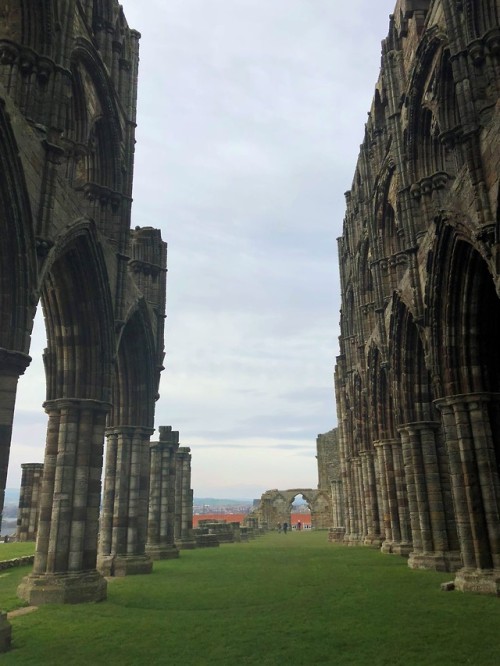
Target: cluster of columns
(475, 484)
(146, 514)
(64, 569)
(432, 493)
(183, 532)
(170, 517)
(435, 543)
(122, 536)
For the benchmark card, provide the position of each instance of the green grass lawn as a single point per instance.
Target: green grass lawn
(279, 600)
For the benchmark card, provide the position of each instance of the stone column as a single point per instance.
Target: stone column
(467, 424)
(184, 538)
(29, 500)
(372, 536)
(413, 504)
(66, 550)
(160, 543)
(431, 546)
(338, 504)
(125, 501)
(354, 524)
(383, 500)
(12, 366)
(396, 515)
(404, 546)
(348, 497)
(360, 499)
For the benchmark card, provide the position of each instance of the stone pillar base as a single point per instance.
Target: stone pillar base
(386, 547)
(63, 588)
(435, 561)
(396, 548)
(403, 549)
(5, 633)
(373, 541)
(353, 539)
(162, 552)
(131, 565)
(480, 581)
(186, 544)
(336, 534)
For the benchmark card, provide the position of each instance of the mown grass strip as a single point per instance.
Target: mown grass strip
(293, 600)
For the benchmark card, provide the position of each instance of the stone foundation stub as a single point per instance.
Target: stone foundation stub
(5, 633)
(64, 588)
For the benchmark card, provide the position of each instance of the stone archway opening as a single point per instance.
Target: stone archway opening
(300, 513)
(28, 439)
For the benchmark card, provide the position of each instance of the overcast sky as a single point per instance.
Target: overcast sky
(250, 116)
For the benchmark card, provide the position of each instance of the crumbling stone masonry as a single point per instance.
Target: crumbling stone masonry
(418, 375)
(162, 496)
(68, 83)
(275, 507)
(29, 498)
(330, 480)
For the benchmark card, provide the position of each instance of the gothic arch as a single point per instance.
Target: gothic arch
(449, 117)
(411, 376)
(466, 330)
(364, 268)
(135, 383)
(424, 149)
(426, 465)
(381, 396)
(466, 325)
(17, 248)
(98, 134)
(349, 316)
(75, 291)
(359, 438)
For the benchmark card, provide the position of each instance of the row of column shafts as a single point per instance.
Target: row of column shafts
(147, 502)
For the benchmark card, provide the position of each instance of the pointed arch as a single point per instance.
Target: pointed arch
(18, 291)
(381, 396)
(411, 375)
(424, 149)
(79, 320)
(136, 375)
(386, 231)
(98, 134)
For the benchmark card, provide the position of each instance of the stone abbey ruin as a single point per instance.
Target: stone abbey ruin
(418, 376)
(414, 465)
(68, 84)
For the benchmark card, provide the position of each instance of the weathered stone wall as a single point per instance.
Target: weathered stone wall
(162, 496)
(330, 479)
(29, 501)
(327, 455)
(275, 507)
(418, 375)
(68, 88)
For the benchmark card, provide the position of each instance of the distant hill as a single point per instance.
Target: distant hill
(11, 496)
(211, 501)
